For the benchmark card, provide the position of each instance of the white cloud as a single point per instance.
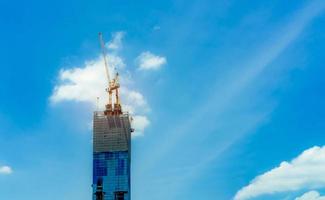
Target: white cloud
(307, 171)
(116, 41)
(139, 123)
(5, 170)
(86, 83)
(81, 83)
(311, 195)
(134, 101)
(150, 61)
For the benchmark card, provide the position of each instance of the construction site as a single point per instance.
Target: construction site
(111, 143)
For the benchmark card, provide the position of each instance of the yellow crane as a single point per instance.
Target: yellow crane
(113, 85)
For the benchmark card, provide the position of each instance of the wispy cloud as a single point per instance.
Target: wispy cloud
(224, 96)
(311, 195)
(5, 170)
(307, 171)
(150, 61)
(230, 95)
(87, 82)
(116, 42)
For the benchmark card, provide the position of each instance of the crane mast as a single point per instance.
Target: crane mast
(113, 85)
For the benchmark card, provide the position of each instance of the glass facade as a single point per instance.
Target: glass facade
(111, 157)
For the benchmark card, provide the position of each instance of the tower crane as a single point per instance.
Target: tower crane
(113, 85)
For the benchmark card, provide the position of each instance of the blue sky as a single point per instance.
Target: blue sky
(228, 97)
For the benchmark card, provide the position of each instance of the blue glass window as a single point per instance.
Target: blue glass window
(108, 155)
(120, 167)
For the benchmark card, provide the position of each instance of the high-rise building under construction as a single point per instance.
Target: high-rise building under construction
(111, 146)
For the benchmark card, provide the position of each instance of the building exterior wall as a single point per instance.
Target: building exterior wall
(111, 154)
